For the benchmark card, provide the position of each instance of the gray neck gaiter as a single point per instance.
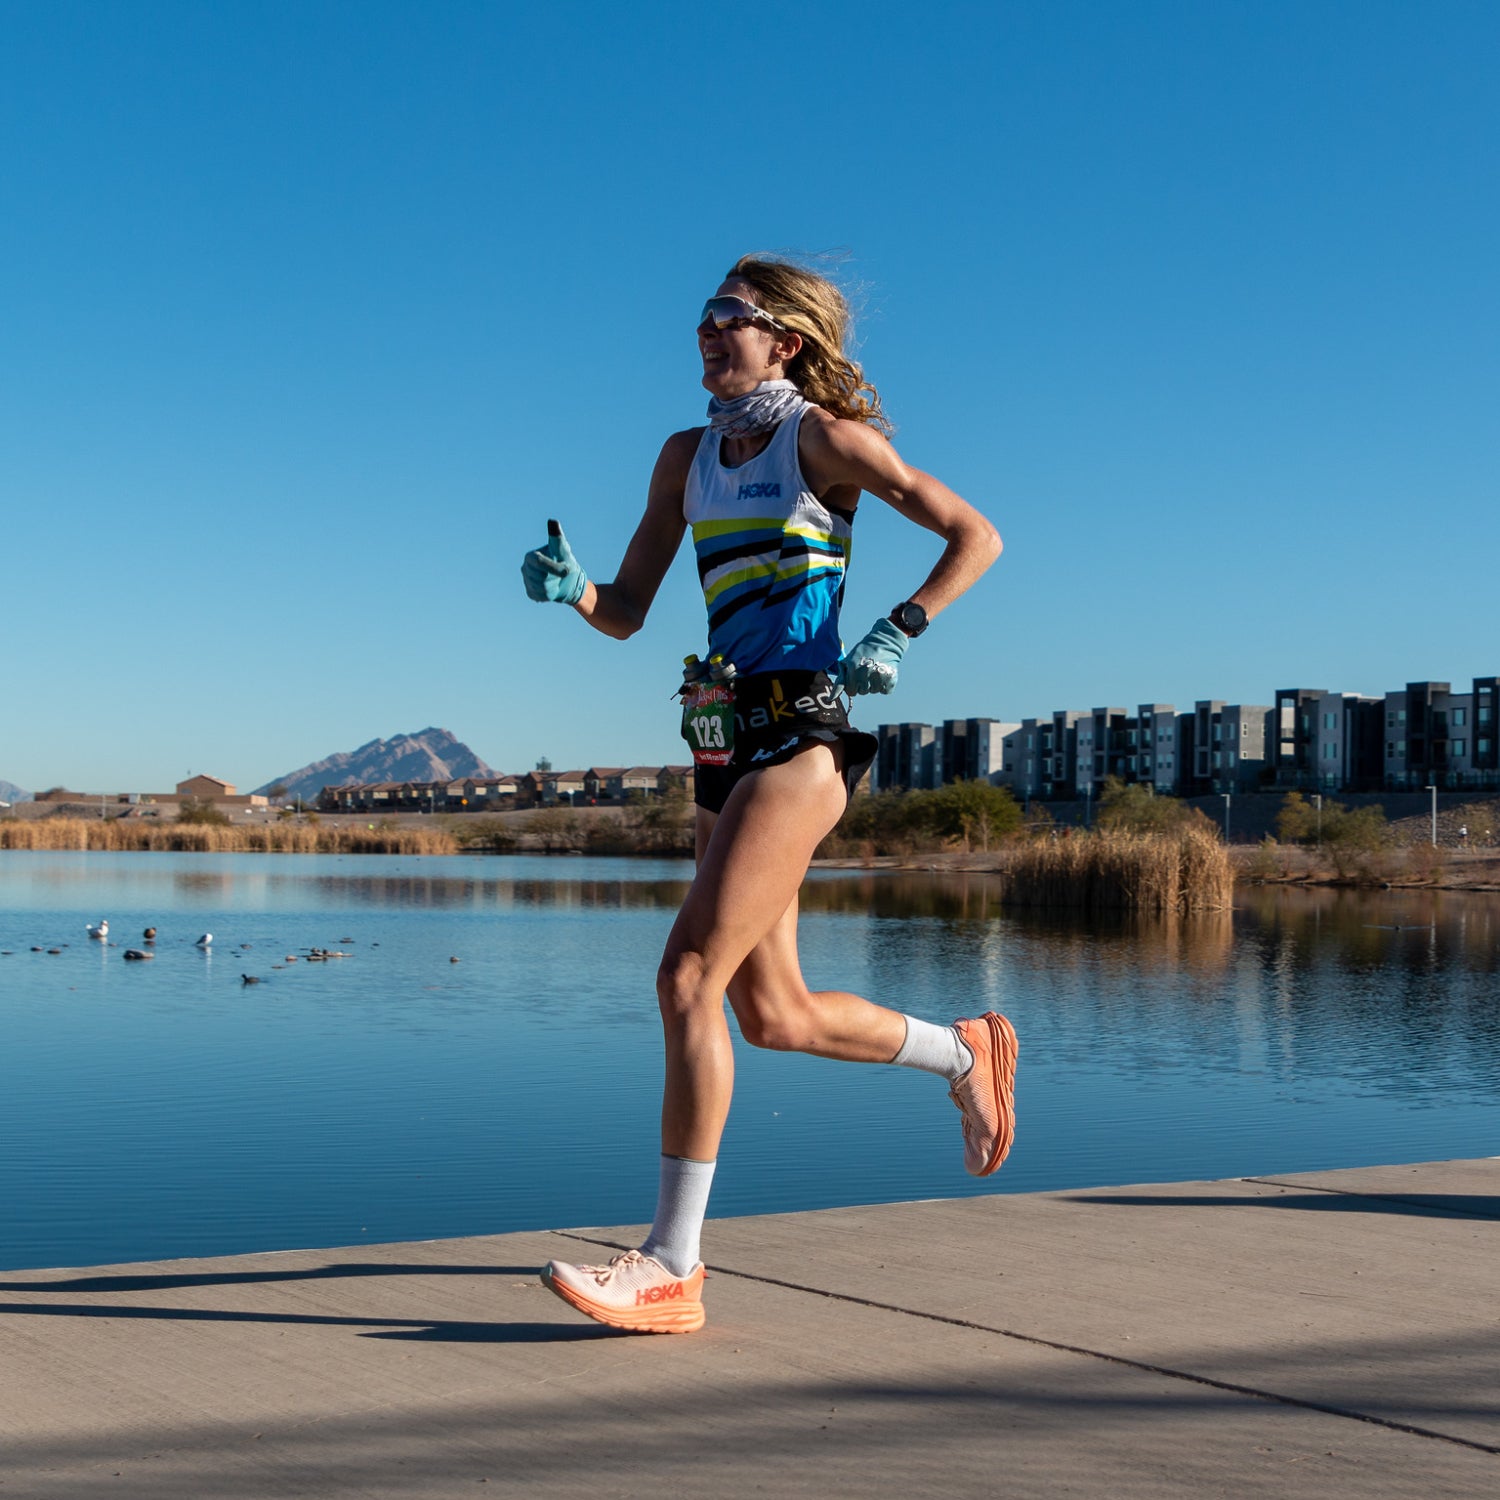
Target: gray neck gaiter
(770, 403)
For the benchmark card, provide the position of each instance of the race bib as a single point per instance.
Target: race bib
(708, 723)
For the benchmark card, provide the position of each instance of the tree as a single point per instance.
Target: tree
(1297, 822)
(1137, 808)
(970, 811)
(1361, 831)
(276, 793)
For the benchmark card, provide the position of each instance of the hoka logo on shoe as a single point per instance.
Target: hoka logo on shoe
(649, 1294)
(760, 492)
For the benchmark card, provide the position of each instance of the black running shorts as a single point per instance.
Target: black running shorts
(775, 715)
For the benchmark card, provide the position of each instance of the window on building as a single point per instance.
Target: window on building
(1457, 717)
(1481, 747)
(1484, 713)
(1401, 716)
(1457, 747)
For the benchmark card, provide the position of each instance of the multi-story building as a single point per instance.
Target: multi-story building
(1485, 760)
(1436, 737)
(972, 749)
(1040, 756)
(1228, 747)
(1293, 759)
(1158, 748)
(1105, 738)
(909, 757)
(1323, 741)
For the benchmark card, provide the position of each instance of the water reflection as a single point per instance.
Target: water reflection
(163, 1108)
(1420, 931)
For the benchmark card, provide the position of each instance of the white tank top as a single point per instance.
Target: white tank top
(771, 556)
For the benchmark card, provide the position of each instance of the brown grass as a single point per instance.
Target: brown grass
(202, 838)
(1173, 872)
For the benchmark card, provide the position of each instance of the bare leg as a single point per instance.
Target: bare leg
(751, 864)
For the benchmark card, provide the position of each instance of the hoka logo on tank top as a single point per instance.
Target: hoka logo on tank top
(772, 573)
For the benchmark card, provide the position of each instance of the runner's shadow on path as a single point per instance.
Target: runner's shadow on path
(169, 1281)
(421, 1330)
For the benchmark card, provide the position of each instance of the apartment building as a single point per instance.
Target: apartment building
(972, 749)
(1436, 737)
(1422, 735)
(908, 758)
(1159, 747)
(1039, 757)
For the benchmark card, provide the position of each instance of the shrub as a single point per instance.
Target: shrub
(1137, 808)
(1265, 863)
(555, 830)
(201, 814)
(1181, 871)
(478, 832)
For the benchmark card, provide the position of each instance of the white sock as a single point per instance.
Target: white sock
(681, 1203)
(934, 1049)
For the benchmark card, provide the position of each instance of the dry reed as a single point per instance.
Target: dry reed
(1174, 872)
(128, 835)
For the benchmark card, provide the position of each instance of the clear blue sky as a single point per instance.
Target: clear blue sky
(312, 314)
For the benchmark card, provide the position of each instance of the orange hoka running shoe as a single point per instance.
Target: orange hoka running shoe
(633, 1291)
(986, 1094)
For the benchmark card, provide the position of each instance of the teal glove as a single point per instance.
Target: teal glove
(870, 666)
(552, 574)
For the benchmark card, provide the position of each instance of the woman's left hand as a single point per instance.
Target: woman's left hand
(871, 665)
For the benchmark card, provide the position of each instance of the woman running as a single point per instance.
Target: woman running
(769, 489)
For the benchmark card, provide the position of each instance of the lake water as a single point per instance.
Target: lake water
(167, 1108)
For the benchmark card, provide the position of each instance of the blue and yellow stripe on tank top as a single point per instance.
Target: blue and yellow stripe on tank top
(773, 585)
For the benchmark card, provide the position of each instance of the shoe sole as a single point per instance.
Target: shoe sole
(675, 1317)
(1002, 1062)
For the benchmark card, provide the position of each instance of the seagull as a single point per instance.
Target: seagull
(101, 931)
(204, 941)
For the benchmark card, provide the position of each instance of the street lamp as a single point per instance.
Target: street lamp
(1432, 787)
(1225, 796)
(1318, 798)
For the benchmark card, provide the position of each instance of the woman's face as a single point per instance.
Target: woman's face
(736, 360)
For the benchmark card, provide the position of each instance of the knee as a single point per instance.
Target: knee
(681, 986)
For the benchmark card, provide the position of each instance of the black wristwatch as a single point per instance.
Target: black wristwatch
(910, 618)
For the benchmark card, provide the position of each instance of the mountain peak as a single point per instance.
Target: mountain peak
(431, 754)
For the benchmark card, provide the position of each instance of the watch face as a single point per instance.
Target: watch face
(912, 618)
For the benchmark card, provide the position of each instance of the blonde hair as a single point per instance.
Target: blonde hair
(813, 306)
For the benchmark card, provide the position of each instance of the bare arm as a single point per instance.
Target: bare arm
(619, 608)
(835, 452)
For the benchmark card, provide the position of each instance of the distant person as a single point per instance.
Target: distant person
(769, 488)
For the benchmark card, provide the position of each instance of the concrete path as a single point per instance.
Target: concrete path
(1324, 1335)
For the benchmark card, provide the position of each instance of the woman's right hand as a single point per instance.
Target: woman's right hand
(552, 574)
